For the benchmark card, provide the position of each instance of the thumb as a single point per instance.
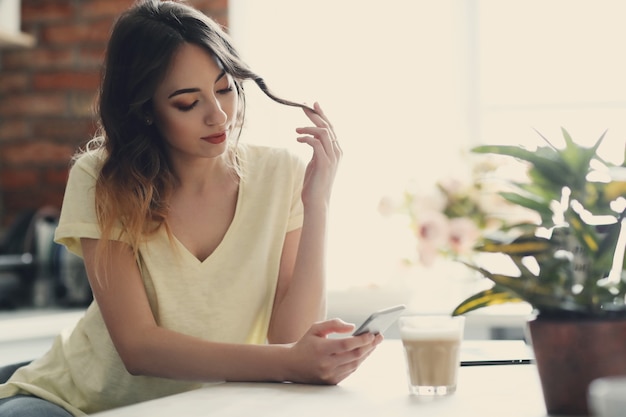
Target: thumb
(324, 328)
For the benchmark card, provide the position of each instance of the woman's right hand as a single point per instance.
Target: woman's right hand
(316, 359)
(327, 153)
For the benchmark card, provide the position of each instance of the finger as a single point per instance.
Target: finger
(348, 348)
(319, 118)
(324, 328)
(323, 135)
(317, 145)
(359, 353)
(318, 132)
(337, 147)
(349, 362)
(321, 113)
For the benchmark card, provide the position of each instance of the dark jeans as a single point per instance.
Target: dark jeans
(26, 405)
(7, 371)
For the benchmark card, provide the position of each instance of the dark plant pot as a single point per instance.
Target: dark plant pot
(571, 353)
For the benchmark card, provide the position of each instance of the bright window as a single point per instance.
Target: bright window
(411, 85)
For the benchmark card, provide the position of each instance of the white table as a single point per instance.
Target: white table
(26, 335)
(378, 388)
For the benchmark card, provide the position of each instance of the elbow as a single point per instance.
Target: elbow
(132, 363)
(133, 357)
(134, 368)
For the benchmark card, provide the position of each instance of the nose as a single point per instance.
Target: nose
(215, 115)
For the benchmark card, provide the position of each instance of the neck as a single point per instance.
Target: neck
(201, 175)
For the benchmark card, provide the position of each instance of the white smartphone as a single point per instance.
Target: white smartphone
(380, 320)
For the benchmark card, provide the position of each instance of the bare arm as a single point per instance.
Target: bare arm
(301, 293)
(147, 349)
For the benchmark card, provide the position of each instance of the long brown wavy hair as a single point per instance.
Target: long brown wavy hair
(136, 180)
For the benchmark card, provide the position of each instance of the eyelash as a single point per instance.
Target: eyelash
(226, 90)
(189, 107)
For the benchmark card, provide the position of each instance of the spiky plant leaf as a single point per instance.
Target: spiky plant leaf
(485, 298)
(571, 265)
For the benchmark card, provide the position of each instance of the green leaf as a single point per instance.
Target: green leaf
(541, 190)
(545, 160)
(530, 203)
(577, 157)
(585, 234)
(522, 246)
(485, 298)
(550, 269)
(607, 248)
(514, 151)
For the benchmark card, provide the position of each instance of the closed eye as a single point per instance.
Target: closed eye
(226, 90)
(187, 108)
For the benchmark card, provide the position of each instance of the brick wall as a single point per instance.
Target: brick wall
(47, 95)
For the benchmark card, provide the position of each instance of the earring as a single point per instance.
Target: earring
(148, 120)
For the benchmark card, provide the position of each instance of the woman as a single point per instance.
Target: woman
(205, 256)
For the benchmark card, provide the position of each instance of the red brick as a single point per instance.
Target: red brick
(15, 179)
(13, 81)
(101, 8)
(222, 19)
(82, 104)
(71, 130)
(11, 129)
(32, 105)
(16, 202)
(41, 128)
(77, 33)
(34, 11)
(51, 196)
(41, 57)
(91, 57)
(19, 200)
(36, 153)
(210, 5)
(56, 177)
(66, 80)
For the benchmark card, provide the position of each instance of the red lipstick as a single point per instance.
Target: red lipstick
(216, 139)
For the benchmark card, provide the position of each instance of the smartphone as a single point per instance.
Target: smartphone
(380, 320)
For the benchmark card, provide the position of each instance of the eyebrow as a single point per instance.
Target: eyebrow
(195, 89)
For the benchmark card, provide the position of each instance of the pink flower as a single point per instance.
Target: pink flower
(433, 228)
(431, 202)
(432, 233)
(464, 235)
(449, 219)
(427, 254)
(453, 186)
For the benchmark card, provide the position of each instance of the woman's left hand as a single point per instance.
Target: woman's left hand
(321, 170)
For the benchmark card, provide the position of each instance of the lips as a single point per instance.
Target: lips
(216, 138)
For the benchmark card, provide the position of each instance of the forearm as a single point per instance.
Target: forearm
(160, 352)
(304, 303)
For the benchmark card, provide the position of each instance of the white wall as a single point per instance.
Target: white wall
(411, 84)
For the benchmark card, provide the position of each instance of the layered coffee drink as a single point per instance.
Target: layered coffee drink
(432, 350)
(432, 362)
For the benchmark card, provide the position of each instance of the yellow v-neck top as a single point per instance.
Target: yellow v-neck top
(227, 297)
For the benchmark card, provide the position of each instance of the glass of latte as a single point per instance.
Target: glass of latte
(432, 350)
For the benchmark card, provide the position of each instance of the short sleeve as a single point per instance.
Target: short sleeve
(78, 214)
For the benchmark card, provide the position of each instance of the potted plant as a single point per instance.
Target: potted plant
(570, 267)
